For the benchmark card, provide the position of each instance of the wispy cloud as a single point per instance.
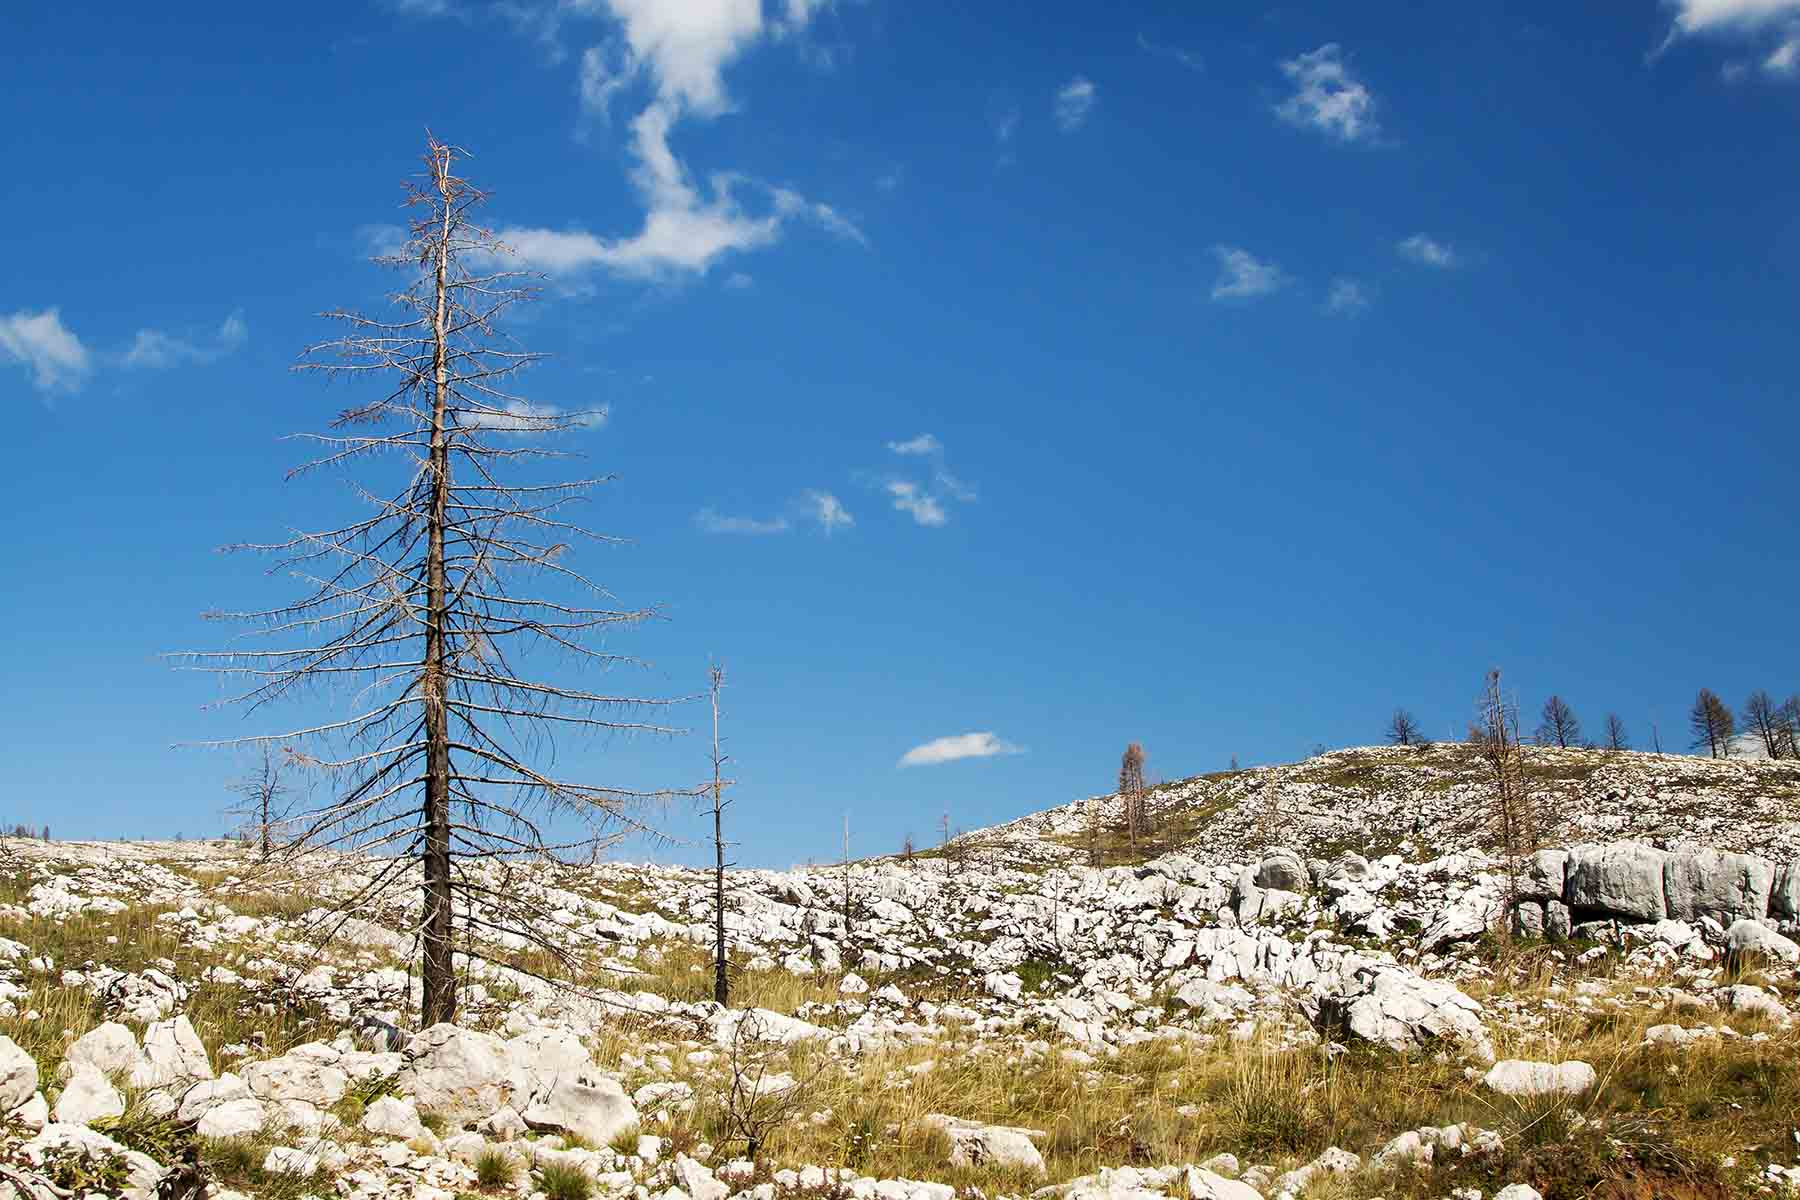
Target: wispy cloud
(525, 417)
(1186, 58)
(712, 522)
(1074, 102)
(41, 342)
(957, 746)
(926, 501)
(154, 349)
(925, 443)
(1428, 251)
(1347, 297)
(829, 512)
(1243, 276)
(1327, 98)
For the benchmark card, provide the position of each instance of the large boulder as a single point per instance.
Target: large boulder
(395, 1117)
(1517, 1077)
(111, 1048)
(1710, 883)
(973, 1144)
(1546, 875)
(459, 1073)
(88, 1096)
(1624, 879)
(18, 1075)
(297, 1077)
(1405, 1012)
(586, 1103)
(243, 1117)
(1282, 870)
(1752, 937)
(173, 1054)
(1468, 916)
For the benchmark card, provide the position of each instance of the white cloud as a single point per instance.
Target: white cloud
(909, 497)
(524, 417)
(829, 512)
(40, 341)
(155, 350)
(925, 443)
(1242, 275)
(926, 503)
(1712, 16)
(1074, 101)
(712, 522)
(681, 50)
(1427, 251)
(1347, 297)
(1742, 20)
(1327, 97)
(957, 746)
(685, 229)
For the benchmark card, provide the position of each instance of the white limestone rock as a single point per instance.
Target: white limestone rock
(585, 1103)
(974, 1144)
(1518, 1077)
(18, 1075)
(87, 1097)
(1751, 937)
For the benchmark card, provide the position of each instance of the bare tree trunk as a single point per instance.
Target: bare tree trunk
(721, 965)
(440, 967)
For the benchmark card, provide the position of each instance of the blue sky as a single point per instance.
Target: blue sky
(1035, 376)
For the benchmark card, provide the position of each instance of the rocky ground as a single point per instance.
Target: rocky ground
(1308, 980)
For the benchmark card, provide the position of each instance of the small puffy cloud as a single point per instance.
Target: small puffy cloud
(1784, 59)
(50, 350)
(1243, 276)
(925, 443)
(1427, 251)
(909, 497)
(1347, 297)
(957, 746)
(1327, 98)
(828, 511)
(712, 522)
(1074, 101)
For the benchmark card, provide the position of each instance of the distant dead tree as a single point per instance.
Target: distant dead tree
(1558, 725)
(1515, 819)
(1768, 721)
(1094, 855)
(263, 798)
(1790, 723)
(907, 849)
(1131, 794)
(716, 791)
(411, 613)
(1712, 723)
(1616, 737)
(1403, 729)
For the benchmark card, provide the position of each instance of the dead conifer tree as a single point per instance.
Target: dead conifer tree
(417, 612)
(263, 798)
(1616, 737)
(1513, 816)
(1768, 721)
(1712, 723)
(721, 963)
(1557, 725)
(1131, 793)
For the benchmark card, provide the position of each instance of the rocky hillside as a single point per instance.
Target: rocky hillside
(1309, 980)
